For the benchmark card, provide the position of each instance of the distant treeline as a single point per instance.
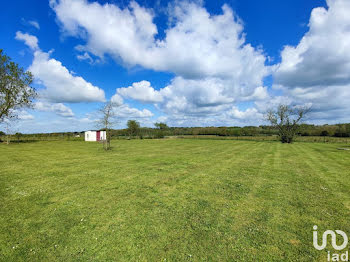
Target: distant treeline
(196, 131)
(339, 130)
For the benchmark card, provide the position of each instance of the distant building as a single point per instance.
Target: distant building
(93, 135)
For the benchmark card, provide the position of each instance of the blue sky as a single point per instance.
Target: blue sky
(187, 63)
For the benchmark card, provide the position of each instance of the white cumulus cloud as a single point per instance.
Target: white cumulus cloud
(24, 115)
(126, 112)
(196, 44)
(317, 70)
(214, 67)
(117, 100)
(141, 91)
(250, 113)
(60, 84)
(58, 108)
(321, 58)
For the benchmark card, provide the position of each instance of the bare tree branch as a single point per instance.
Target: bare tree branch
(107, 121)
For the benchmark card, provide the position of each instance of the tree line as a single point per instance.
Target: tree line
(338, 130)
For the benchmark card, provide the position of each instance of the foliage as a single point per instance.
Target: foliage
(324, 133)
(159, 134)
(161, 126)
(15, 90)
(310, 132)
(133, 127)
(286, 120)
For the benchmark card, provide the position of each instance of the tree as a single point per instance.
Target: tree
(15, 90)
(161, 126)
(106, 121)
(324, 133)
(9, 131)
(133, 127)
(286, 120)
(18, 136)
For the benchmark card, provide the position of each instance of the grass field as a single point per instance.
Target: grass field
(170, 200)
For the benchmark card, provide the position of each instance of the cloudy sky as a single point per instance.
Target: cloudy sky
(186, 63)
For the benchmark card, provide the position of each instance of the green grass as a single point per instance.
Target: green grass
(170, 200)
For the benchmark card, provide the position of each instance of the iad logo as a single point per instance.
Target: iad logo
(335, 256)
(334, 239)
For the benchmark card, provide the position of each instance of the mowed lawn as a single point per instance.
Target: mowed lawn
(170, 200)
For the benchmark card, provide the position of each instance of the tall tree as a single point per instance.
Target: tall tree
(133, 127)
(286, 119)
(15, 90)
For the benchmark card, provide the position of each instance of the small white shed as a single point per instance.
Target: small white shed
(93, 135)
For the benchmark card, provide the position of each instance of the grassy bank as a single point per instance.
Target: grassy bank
(170, 200)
